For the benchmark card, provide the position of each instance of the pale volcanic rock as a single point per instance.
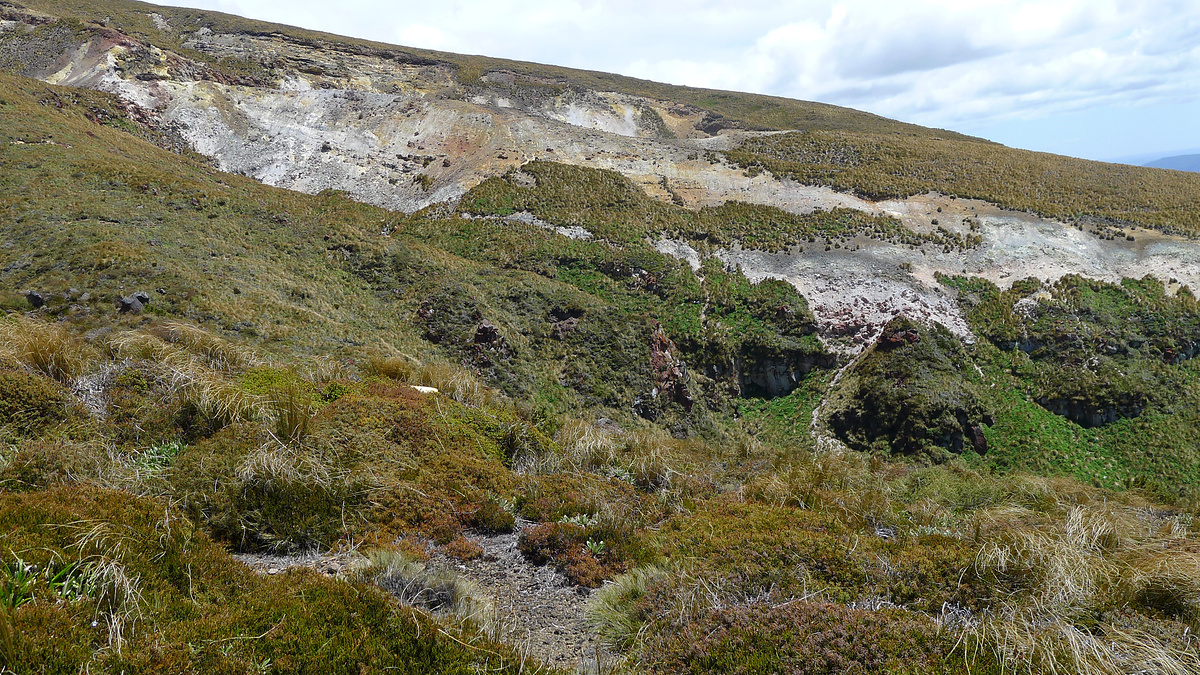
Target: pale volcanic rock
(396, 130)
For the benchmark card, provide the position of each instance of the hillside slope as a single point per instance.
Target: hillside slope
(569, 274)
(857, 395)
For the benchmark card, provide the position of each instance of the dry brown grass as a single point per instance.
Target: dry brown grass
(118, 595)
(650, 459)
(45, 347)
(1075, 564)
(453, 381)
(196, 367)
(217, 353)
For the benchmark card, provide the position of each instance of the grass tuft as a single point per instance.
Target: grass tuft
(45, 347)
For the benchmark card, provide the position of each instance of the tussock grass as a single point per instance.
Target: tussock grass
(47, 348)
(1075, 567)
(418, 584)
(294, 410)
(1046, 642)
(195, 368)
(105, 578)
(455, 382)
(647, 458)
(217, 353)
(613, 612)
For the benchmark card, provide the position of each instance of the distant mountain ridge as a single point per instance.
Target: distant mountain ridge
(1177, 162)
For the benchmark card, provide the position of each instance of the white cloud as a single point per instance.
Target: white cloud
(420, 35)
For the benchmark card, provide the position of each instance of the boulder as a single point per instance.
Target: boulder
(129, 305)
(35, 299)
(487, 333)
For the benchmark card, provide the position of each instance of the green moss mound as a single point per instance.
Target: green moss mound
(915, 393)
(29, 403)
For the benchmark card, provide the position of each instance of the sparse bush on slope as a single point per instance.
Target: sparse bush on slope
(883, 166)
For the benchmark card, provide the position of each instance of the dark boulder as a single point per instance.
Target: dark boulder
(487, 333)
(129, 305)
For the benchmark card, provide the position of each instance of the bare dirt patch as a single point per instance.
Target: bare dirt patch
(544, 611)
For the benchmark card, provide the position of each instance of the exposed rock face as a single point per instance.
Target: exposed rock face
(399, 130)
(773, 375)
(670, 374)
(1087, 414)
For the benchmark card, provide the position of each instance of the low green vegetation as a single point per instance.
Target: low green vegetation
(1102, 197)
(613, 208)
(915, 392)
(114, 582)
(678, 439)
(1089, 378)
(707, 543)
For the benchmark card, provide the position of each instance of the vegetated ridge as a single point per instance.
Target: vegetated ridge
(856, 397)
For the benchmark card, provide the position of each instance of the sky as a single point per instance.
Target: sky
(1115, 80)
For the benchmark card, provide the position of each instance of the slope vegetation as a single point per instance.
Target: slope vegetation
(195, 364)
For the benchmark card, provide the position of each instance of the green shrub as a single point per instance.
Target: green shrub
(202, 611)
(29, 403)
(38, 464)
(139, 411)
(809, 638)
(783, 552)
(492, 518)
(564, 545)
(587, 554)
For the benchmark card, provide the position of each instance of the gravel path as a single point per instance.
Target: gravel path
(539, 611)
(543, 611)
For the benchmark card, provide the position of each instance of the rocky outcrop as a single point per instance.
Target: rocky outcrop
(670, 376)
(914, 392)
(133, 304)
(771, 375)
(1089, 413)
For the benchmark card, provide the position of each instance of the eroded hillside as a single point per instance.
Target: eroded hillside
(326, 355)
(404, 129)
